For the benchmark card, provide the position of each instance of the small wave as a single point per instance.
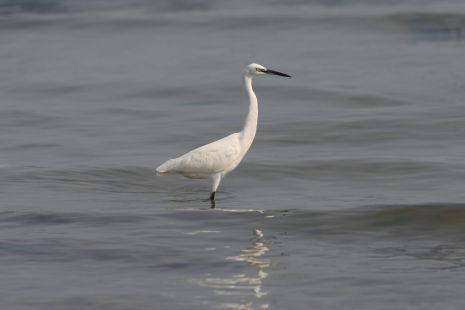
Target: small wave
(352, 168)
(18, 118)
(416, 221)
(65, 249)
(433, 217)
(60, 218)
(165, 92)
(128, 112)
(339, 97)
(125, 180)
(66, 6)
(362, 132)
(35, 6)
(431, 26)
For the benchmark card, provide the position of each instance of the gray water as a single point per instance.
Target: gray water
(352, 196)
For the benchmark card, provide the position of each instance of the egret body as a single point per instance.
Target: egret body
(215, 160)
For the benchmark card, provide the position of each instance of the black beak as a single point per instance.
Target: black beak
(268, 71)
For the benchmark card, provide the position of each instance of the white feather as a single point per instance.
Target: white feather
(220, 157)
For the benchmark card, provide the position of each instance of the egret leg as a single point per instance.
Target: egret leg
(216, 178)
(212, 200)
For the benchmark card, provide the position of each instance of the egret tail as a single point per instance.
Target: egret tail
(167, 168)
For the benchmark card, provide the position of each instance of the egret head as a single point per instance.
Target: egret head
(256, 69)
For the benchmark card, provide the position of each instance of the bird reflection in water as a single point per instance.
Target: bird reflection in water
(247, 287)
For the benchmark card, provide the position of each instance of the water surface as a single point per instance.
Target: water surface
(352, 195)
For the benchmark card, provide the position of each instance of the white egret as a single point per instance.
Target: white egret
(216, 159)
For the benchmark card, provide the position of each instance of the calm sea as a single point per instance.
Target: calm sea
(352, 196)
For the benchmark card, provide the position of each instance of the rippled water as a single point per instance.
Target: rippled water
(352, 196)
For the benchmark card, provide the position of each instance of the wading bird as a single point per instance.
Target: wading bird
(216, 159)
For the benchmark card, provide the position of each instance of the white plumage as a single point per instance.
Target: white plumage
(216, 159)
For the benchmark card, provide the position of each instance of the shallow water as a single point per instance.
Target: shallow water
(351, 197)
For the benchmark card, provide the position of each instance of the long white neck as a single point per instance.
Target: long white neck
(250, 126)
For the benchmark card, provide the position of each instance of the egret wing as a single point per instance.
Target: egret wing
(211, 158)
